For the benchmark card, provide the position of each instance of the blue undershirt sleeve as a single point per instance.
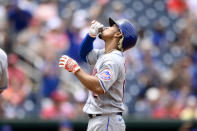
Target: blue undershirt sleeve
(86, 46)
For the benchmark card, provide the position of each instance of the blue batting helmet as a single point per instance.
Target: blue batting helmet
(129, 38)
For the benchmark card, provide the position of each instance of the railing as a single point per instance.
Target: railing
(81, 124)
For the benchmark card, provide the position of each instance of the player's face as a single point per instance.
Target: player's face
(109, 32)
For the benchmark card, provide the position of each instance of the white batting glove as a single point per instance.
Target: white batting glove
(69, 64)
(95, 28)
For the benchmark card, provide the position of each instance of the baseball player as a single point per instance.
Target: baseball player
(3, 71)
(106, 85)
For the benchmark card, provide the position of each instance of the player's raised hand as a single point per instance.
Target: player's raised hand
(69, 64)
(95, 28)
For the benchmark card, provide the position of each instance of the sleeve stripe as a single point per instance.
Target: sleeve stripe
(102, 85)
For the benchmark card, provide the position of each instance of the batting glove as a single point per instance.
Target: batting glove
(69, 64)
(95, 28)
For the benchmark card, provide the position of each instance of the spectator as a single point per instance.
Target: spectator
(65, 126)
(60, 107)
(19, 18)
(190, 111)
(177, 6)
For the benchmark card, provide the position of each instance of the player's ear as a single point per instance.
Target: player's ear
(118, 35)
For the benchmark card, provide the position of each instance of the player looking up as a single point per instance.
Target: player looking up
(106, 85)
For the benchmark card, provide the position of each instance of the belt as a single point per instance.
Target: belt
(95, 115)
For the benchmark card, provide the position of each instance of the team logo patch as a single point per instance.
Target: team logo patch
(106, 74)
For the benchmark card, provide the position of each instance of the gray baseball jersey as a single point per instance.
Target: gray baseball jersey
(110, 70)
(3, 70)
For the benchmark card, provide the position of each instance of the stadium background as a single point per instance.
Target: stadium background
(161, 81)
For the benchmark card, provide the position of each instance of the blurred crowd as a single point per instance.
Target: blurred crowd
(161, 80)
